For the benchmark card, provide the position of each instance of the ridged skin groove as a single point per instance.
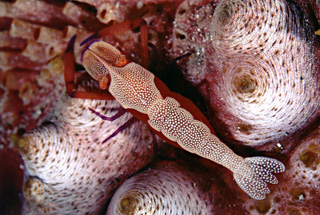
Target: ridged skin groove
(265, 57)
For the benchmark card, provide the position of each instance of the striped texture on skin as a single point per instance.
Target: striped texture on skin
(69, 170)
(165, 189)
(134, 87)
(266, 76)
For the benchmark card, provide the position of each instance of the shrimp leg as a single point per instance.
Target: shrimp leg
(69, 71)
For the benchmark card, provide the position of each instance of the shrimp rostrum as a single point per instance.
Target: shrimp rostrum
(174, 118)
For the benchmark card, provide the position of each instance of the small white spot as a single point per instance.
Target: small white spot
(279, 146)
(21, 166)
(140, 5)
(36, 114)
(301, 197)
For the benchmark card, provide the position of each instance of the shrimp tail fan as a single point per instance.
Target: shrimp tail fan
(259, 171)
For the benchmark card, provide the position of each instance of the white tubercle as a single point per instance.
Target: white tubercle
(161, 190)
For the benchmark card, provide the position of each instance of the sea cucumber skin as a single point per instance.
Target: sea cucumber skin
(67, 168)
(256, 64)
(267, 76)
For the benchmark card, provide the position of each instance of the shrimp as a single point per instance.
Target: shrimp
(174, 118)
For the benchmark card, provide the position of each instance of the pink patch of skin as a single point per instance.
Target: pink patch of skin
(67, 160)
(156, 190)
(248, 66)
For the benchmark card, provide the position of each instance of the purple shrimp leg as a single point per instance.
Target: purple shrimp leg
(112, 118)
(121, 128)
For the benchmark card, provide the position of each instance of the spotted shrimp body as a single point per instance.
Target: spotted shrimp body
(138, 91)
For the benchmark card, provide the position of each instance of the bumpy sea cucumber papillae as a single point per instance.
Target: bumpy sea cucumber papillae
(256, 62)
(165, 189)
(69, 170)
(267, 76)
